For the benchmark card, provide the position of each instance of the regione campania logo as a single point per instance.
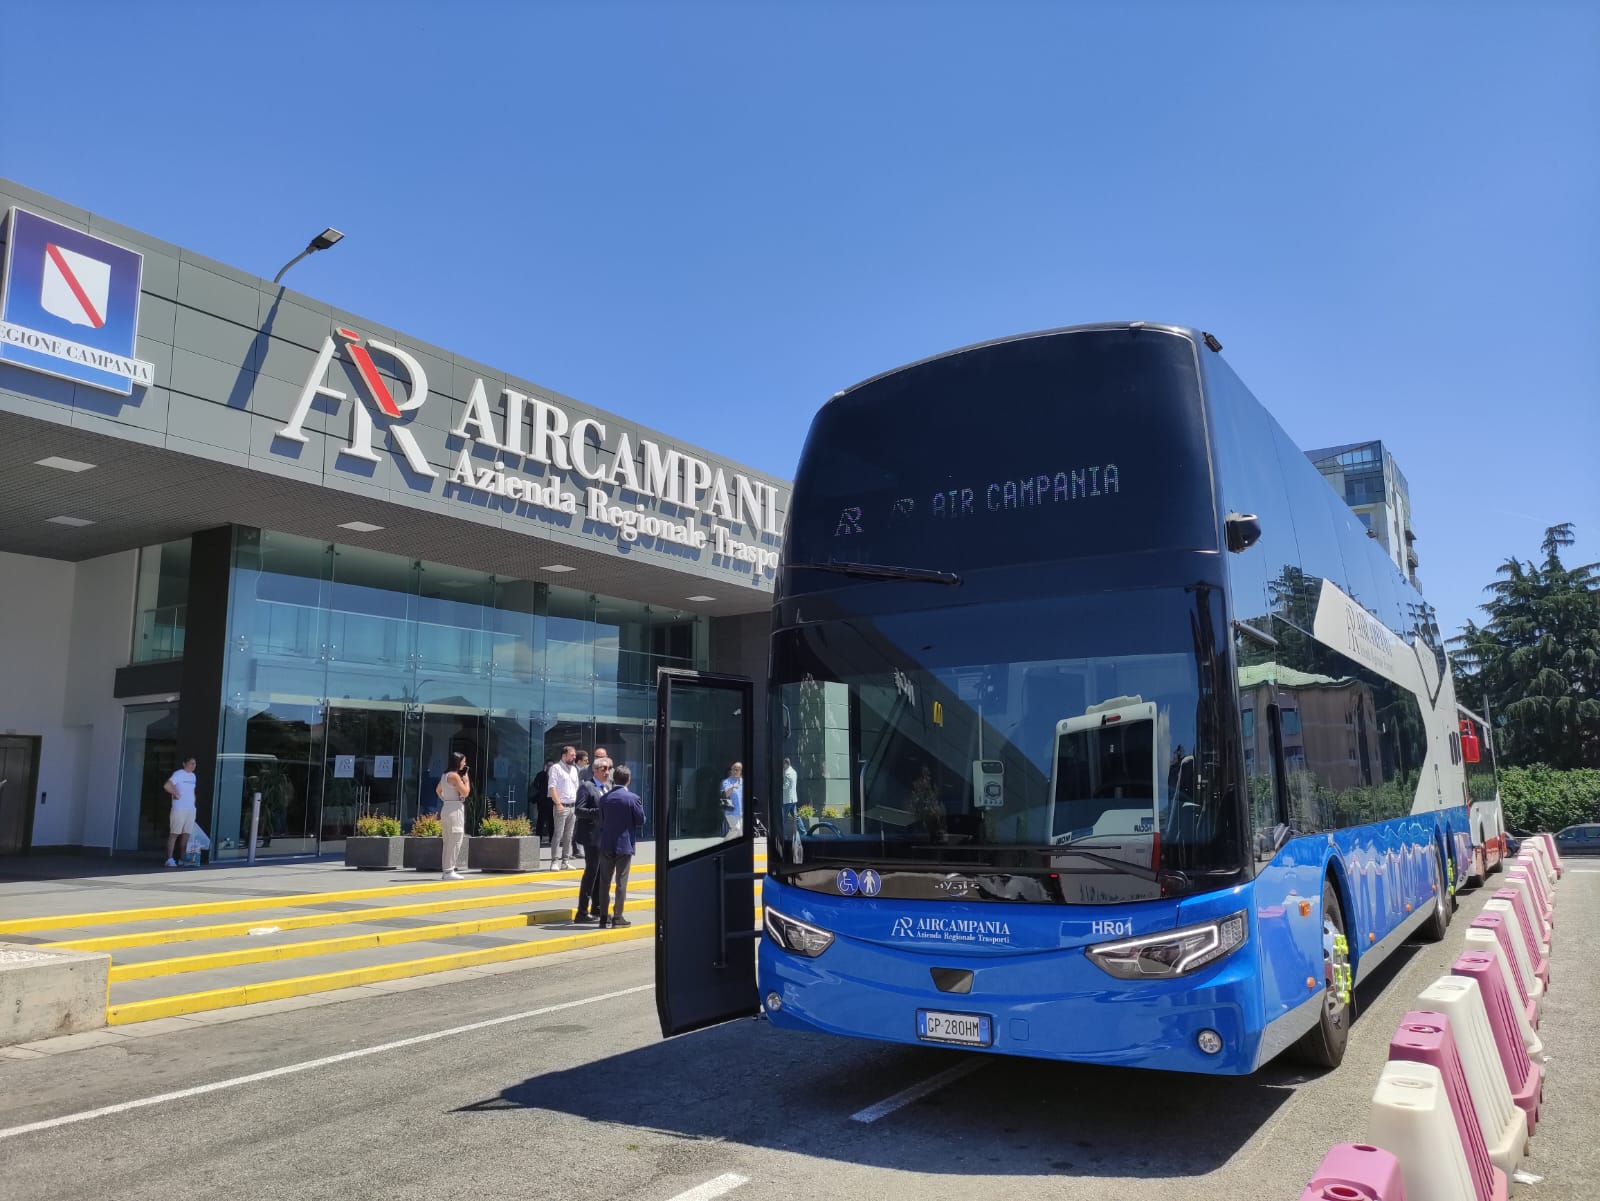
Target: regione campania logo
(70, 307)
(379, 396)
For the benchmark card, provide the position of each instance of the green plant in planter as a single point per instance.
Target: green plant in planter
(495, 826)
(427, 826)
(370, 825)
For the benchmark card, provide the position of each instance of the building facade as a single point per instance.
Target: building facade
(320, 554)
(1369, 479)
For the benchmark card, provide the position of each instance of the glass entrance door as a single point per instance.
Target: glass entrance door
(432, 732)
(362, 770)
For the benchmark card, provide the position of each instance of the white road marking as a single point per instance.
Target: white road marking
(326, 1061)
(917, 1091)
(724, 1183)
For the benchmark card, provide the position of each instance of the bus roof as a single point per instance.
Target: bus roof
(1183, 331)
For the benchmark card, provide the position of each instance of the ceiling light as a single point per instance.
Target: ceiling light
(558, 567)
(360, 527)
(700, 598)
(75, 521)
(61, 464)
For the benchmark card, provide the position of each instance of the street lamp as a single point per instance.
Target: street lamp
(322, 241)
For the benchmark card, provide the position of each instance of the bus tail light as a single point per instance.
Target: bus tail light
(796, 937)
(1173, 952)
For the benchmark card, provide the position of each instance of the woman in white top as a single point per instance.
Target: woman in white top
(453, 790)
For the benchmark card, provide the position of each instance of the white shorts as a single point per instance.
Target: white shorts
(181, 822)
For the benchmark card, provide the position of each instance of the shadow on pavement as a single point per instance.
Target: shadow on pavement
(746, 1083)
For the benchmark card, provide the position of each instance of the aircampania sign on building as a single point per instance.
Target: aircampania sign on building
(320, 555)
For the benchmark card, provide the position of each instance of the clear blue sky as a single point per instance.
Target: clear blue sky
(710, 217)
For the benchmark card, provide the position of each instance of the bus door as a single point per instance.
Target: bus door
(705, 858)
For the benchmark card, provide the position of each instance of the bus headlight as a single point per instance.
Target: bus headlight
(796, 936)
(1172, 952)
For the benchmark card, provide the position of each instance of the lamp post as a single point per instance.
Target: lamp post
(322, 241)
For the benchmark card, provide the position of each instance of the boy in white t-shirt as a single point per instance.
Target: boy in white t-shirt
(180, 787)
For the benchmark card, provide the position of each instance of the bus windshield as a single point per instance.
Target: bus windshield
(1054, 741)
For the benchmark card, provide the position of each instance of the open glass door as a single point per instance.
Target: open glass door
(705, 859)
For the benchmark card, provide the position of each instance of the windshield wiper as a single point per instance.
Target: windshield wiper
(883, 571)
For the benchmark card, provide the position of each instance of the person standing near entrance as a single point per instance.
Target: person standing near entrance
(539, 802)
(453, 791)
(563, 798)
(180, 787)
(621, 822)
(733, 802)
(587, 836)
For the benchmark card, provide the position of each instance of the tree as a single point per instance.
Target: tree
(1537, 658)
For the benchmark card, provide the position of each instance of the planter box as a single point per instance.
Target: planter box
(373, 853)
(502, 853)
(424, 854)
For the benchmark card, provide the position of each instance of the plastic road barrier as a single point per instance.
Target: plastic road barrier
(1412, 1117)
(1356, 1172)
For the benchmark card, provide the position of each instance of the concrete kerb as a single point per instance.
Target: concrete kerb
(46, 993)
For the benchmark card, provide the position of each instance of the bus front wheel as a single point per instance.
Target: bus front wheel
(1323, 1045)
(1438, 923)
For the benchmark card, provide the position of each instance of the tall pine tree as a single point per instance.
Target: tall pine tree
(1537, 659)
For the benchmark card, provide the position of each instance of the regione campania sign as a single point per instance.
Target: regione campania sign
(70, 305)
(532, 429)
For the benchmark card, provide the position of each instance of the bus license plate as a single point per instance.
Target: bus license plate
(969, 1029)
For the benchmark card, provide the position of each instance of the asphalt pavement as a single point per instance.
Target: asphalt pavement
(551, 1081)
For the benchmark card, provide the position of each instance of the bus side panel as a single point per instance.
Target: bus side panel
(1383, 874)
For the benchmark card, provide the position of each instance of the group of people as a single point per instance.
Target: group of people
(590, 810)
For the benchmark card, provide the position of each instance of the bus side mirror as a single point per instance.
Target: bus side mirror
(1243, 530)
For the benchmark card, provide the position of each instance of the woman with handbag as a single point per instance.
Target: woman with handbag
(453, 791)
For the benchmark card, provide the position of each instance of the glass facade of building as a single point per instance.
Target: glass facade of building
(350, 675)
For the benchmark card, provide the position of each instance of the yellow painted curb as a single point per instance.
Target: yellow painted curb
(308, 921)
(299, 986)
(329, 946)
(112, 917)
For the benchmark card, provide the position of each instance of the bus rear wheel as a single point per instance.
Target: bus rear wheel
(1324, 1044)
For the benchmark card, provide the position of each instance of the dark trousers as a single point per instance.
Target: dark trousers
(618, 865)
(588, 902)
(545, 827)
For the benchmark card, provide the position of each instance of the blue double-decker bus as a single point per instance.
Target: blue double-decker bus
(1099, 729)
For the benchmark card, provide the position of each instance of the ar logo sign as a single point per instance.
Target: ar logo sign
(378, 396)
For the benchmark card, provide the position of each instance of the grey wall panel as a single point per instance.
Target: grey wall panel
(159, 277)
(145, 410)
(215, 338)
(210, 292)
(207, 378)
(288, 361)
(202, 421)
(275, 399)
(300, 324)
(157, 318)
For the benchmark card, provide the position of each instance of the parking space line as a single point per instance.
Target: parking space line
(724, 1183)
(917, 1091)
(326, 1061)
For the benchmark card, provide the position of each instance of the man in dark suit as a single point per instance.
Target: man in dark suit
(586, 834)
(621, 821)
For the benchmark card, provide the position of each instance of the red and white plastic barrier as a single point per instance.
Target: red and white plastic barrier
(1442, 1156)
(1460, 1096)
(1356, 1172)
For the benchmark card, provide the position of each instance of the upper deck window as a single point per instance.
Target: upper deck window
(1053, 447)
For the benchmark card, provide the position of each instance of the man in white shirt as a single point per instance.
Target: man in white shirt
(563, 802)
(180, 787)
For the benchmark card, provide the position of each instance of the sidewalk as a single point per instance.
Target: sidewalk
(53, 885)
